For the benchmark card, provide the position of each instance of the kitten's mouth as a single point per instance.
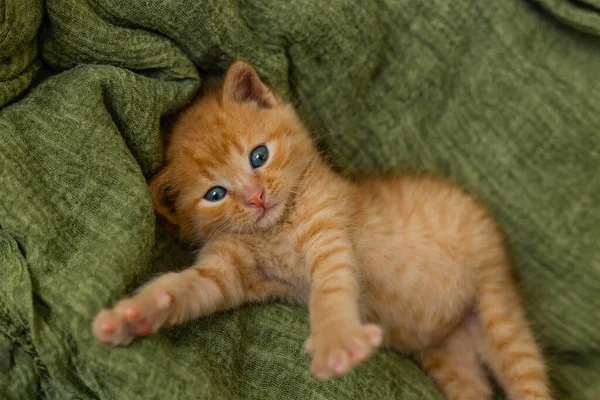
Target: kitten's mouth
(265, 212)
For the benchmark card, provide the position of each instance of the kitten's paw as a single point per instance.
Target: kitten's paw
(137, 316)
(336, 352)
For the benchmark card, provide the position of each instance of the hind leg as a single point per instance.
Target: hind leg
(455, 367)
(505, 341)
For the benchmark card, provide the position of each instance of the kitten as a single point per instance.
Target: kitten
(418, 259)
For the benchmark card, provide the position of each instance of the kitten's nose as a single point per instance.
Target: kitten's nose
(257, 199)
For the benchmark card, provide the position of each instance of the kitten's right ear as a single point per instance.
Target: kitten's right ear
(243, 85)
(159, 187)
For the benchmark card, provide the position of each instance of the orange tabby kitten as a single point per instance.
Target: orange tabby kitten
(415, 257)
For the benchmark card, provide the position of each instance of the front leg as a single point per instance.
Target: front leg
(225, 276)
(338, 339)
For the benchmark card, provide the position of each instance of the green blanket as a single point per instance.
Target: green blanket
(502, 95)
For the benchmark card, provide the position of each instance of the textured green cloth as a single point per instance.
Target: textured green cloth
(502, 95)
(19, 23)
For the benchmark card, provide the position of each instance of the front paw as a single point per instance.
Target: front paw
(137, 316)
(338, 349)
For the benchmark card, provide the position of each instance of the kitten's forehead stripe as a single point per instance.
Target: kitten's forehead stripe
(208, 175)
(273, 134)
(238, 146)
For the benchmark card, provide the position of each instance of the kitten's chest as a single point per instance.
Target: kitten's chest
(280, 258)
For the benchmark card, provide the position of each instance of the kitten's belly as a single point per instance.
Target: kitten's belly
(420, 238)
(418, 299)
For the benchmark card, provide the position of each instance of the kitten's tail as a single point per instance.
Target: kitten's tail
(507, 343)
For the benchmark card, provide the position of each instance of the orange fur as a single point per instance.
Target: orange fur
(409, 260)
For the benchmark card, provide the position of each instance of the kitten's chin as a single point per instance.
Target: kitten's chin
(269, 217)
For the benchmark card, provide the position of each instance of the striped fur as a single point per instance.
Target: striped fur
(409, 261)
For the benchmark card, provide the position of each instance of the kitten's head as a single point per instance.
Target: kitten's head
(234, 160)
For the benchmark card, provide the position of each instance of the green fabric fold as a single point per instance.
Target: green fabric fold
(19, 24)
(583, 15)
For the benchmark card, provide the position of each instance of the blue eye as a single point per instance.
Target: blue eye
(259, 156)
(215, 193)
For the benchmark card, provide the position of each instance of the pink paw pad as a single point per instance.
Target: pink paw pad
(131, 313)
(108, 328)
(337, 351)
(144, 328)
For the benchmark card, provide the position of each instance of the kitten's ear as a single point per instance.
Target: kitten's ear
(159, 187)
(243, 85)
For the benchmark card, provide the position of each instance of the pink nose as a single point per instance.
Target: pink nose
(257, 199)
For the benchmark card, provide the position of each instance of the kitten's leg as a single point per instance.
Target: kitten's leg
(455, 367)
(338, 338)
(224, 277)
(505, 339)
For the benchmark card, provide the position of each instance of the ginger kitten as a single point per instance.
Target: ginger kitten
(408, 261)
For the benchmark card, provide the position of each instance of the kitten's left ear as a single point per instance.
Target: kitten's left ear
(243, 85)
(159, 187)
